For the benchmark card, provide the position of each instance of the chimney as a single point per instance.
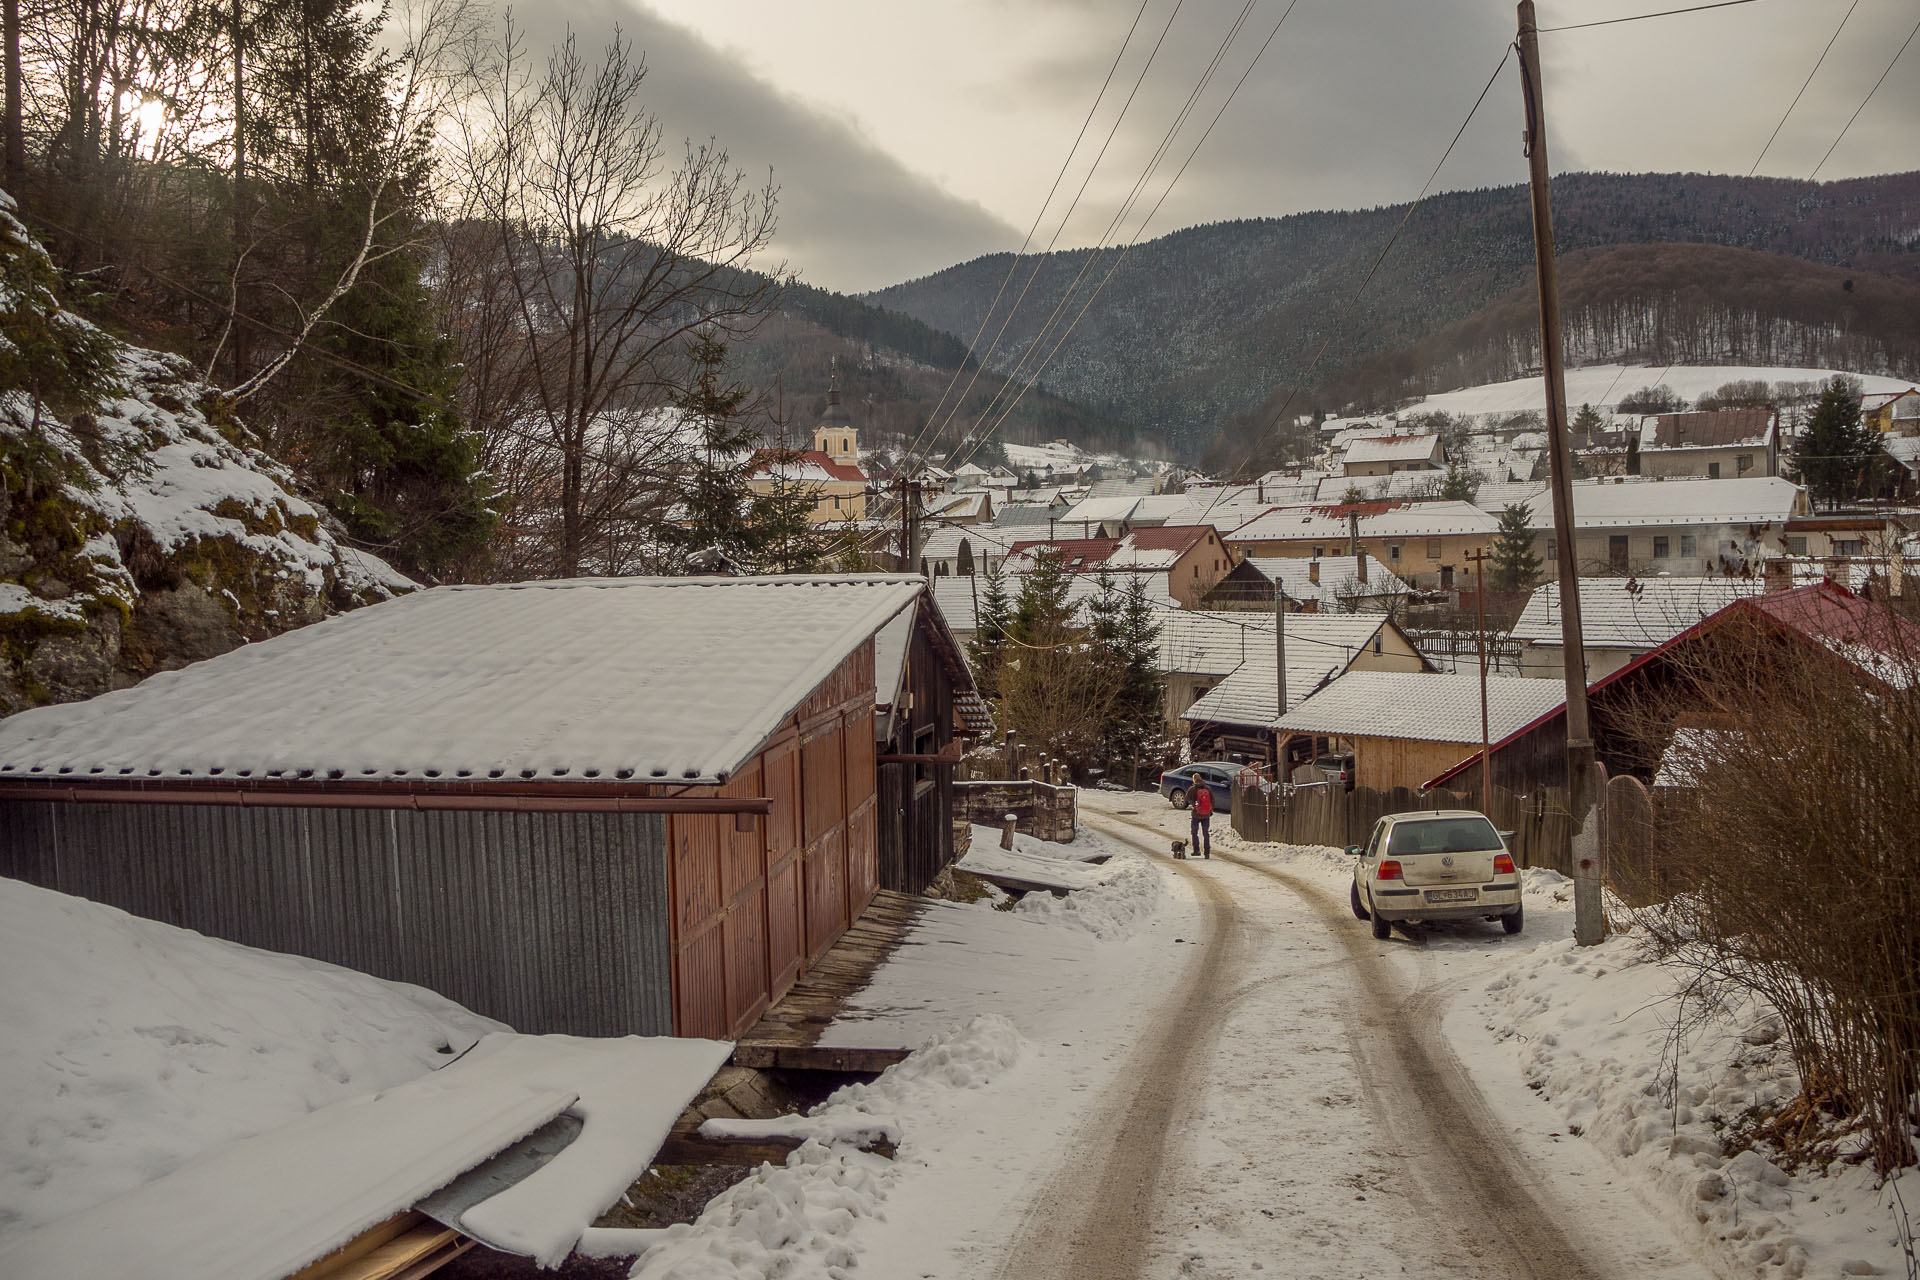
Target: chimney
(1313, 572)
(1353, 545)
(1260, 490)
(1777, 575)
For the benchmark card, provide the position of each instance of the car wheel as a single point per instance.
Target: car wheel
(1178, 797)
(1381, 929)
(1359, 910)
(1515, 922)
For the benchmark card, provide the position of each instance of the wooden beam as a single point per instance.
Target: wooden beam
(789, 1057)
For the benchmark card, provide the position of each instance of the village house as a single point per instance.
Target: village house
(829, 472)
(1620, 619)
(1826, 616)
(1689, 528)
(1892, 412)
(1401, 728)
(1870, 535)
(1425, 544)
(1339, 584)
(600, 806)
(1386, 455)
(1235, 717)
(962, 549)
(1183, 561)
(1727, 444)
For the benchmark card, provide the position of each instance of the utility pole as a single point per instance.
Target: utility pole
(1279, 669)
(1478, 559)
(1581, 797)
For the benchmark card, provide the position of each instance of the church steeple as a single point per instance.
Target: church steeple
(835, 435)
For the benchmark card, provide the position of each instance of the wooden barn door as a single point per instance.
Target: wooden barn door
(823, 782)
(863, 812)
(786, 900)
(743, 885)
(699, 941)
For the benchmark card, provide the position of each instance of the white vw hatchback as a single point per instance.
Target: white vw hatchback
(1446, 864)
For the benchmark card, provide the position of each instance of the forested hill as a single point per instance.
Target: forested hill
(893, 372)
(1198, 327)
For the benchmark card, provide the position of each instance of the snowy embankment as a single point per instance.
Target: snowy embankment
(1602, 385)
(132, 1046)
(999, 994)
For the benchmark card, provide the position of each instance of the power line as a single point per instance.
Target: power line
(1642, 17)
(1014, 265)
(1146, 175)
(1803, 88)
(1864, 101)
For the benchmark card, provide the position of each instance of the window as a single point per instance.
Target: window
(1319, 550)
(1743, 463)
(1713, 471)
(1660, 548)
(1797, 545)
(1393, 552)
(1849, 547)
(1617, 551)
(1446, 577)
(1688, 547)
(1433, 548)
(1553, 548)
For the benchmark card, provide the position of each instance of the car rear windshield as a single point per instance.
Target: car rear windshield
(1443, 835)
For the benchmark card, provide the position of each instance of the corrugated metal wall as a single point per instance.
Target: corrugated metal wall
(550, 922)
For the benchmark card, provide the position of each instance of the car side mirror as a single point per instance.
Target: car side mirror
(1353, 851)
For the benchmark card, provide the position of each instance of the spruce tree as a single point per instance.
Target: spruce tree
(992, 618)
(1835, 453)
(1139, 725)
(1461, 484)
(1042, 608)
(1515, 567)
(718, 504)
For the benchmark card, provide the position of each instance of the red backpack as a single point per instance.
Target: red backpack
(1203, 800)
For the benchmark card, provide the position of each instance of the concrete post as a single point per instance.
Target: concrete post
(1006, 830)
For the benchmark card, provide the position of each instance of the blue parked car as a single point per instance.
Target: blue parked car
(1217, 775)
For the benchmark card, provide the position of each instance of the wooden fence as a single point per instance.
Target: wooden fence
(1539, 822)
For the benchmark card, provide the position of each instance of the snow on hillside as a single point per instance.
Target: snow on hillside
(1602, 385)
(131, 1046)
(143, 529)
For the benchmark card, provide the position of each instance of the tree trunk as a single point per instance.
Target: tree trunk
(240, 220)
(15, 144)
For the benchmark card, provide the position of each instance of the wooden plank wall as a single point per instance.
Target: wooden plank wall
(752, 909)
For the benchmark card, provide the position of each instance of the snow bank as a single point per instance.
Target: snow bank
(1594, 1031)
(1110, 911)
(131, 1046)
(798, 1219)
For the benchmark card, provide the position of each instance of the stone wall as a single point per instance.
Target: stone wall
(1043, 811)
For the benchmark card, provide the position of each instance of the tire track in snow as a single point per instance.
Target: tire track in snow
(1094, 1218)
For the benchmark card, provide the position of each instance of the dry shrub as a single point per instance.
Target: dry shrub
(1787, 869)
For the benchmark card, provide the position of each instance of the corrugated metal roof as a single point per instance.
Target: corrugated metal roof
(1639, 500)
(1394, 449)
(1630, 613)
(1428, 708)
(607, 679)
(1318, 648)
(1377, 520)
(1338, 578)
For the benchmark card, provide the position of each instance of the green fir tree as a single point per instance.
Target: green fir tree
(1515, 567)
(1836, 453)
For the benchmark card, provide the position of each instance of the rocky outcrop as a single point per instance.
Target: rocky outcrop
(139, 528)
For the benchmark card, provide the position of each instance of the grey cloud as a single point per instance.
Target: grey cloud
(851, 216)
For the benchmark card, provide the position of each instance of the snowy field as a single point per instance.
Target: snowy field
(1601, 385)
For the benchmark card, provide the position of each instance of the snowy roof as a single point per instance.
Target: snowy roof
(1722, 429)
(942, 542)
(809, 467)
(1338, 578)
(959, 597)
(1430, 708)
(1630, 613)
(1319, 647)
(607, 679)
(1626, 502)
(1207, 643)
(1377, 520)
(1394, 449)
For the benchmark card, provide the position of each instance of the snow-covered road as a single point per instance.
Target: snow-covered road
(1292, 1107)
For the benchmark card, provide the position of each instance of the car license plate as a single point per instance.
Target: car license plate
(1452, 895)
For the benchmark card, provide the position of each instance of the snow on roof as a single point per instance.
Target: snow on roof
(959, 596)
(942, 542)
(890, 657)
(1721, 429)
(1430, 708)
(1602, 385)
(1630, 613)
(810, 467)
(1394, 449)
(606, 679)
(1319, 647)
(1628, 501)
(1377, 520)
(1208, 643)
(1339, 578)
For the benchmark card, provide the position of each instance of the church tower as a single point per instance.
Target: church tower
(835, 435)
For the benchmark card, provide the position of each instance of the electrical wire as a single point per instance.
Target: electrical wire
(1014, 265)
(1803, 88)
(1864, 101)
(1642, 17)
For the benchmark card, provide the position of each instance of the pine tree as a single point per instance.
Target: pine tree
(1138, 728)
(993, 616)
(1042, 608)
(1461, 484)
(1835, 453)
(718, 506)
(1515, 567)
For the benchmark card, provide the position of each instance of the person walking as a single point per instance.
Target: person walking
(1201, 843)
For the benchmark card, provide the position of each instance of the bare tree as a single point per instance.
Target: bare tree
(607, 261)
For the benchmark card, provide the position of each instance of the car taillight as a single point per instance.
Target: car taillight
(1389, 870)
(1502, 865)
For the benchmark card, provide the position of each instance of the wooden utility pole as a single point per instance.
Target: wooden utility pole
(1478, 559)
(1581, 789)
(1279, 671)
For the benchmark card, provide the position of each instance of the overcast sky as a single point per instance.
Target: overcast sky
(907, 135)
